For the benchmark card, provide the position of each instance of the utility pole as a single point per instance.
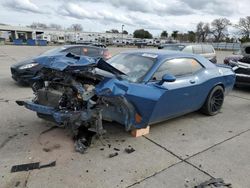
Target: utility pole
(122, 33)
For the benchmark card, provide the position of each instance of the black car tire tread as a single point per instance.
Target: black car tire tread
(207, 106)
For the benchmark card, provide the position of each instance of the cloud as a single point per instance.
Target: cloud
(23, 6)
(101, 15)
(217, 7)
(158, 7)
(77, 11)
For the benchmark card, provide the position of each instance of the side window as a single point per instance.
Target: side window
(178, 67)
(188, 49)
(197, 49)
(75, 50)
(207, 49)
(91, 52)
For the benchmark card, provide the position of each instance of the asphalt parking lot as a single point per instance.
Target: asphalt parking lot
(182, 152)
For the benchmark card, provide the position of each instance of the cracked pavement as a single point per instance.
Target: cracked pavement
(182, 152)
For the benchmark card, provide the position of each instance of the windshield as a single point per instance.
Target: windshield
(135, 66)
(174, 47)
(53, 51)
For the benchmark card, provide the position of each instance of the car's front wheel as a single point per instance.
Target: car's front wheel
(214, 101)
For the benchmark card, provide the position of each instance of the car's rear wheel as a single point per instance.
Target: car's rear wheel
(214, 101)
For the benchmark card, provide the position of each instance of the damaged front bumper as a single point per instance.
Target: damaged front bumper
(65, 117)
(123, 112)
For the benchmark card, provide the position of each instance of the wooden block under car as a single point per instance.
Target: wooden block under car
(140, 132)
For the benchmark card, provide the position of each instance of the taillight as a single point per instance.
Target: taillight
(107, 54)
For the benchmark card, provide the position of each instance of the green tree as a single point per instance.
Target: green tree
(244, 39)
(191, 36)
(175, 34)
(125, 32)
(114, 31)
(164, 34)
(141, 33)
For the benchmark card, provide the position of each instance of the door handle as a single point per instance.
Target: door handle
(192, 81)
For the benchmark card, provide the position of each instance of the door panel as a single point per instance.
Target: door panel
(179, 98)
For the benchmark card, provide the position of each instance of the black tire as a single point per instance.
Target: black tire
(214, 101)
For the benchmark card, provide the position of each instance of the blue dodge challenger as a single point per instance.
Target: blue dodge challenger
(134, 88)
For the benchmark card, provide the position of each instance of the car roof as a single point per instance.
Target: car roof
(186, 44)
(161, 54)
(81, 45)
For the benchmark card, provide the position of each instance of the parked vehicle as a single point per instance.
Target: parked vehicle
(24, 71)
(240, 63)
(206, 50)
(44, 37)
(135, 88)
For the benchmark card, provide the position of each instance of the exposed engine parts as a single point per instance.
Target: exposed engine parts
(75, 103)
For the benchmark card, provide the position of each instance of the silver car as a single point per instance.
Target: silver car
(206, 50)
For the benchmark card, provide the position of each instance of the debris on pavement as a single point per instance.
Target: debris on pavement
(113, 155)
(83, 139)
(216, 182)
(116, 149)
(31, 166)
(129, 150)
(49, 149)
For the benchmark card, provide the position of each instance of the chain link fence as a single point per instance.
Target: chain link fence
(226, 46)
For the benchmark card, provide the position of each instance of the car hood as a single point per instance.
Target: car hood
(72, 62)
(32, 59)
(24, 62)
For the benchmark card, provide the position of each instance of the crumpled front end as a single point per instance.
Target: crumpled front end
(70, 99)
(74, 94)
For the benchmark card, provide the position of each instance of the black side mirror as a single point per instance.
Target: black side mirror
(167, 78)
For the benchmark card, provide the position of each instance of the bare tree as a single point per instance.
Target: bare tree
(219, 28)
(55, 26)
(202, 31)
(37, 25)
(244, 26)
(76, 27)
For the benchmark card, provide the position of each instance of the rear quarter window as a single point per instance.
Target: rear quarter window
(188, 49)
(92, 52)
(197, 49)
(207, 49)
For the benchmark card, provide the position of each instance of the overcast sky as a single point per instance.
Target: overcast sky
(102, 15)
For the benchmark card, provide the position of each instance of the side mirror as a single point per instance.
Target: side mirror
(167, 78)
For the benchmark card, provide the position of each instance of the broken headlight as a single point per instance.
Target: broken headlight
(28, 66)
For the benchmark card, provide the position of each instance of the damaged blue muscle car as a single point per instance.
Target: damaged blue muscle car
(134, 88)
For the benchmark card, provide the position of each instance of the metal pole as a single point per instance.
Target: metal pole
(122, 33)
